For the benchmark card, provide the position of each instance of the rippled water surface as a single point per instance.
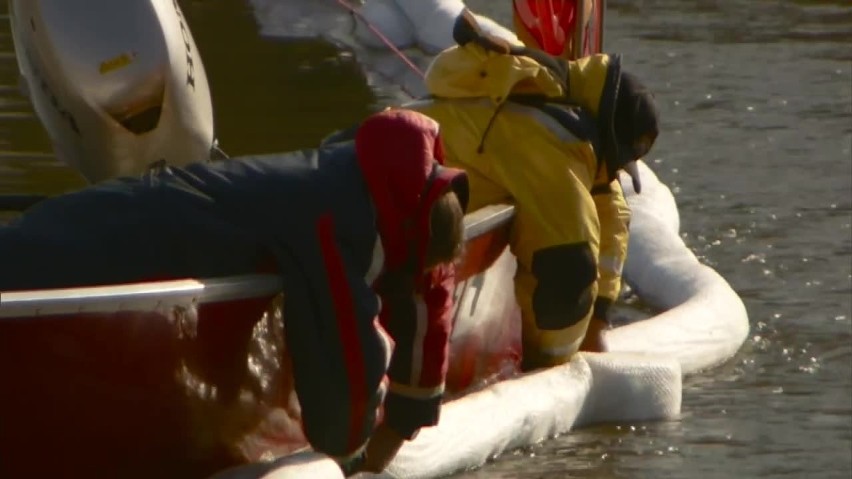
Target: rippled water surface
(756, 98)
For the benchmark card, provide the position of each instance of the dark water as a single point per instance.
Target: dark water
(756, 98)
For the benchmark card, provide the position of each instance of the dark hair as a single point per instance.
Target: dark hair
(446, 230)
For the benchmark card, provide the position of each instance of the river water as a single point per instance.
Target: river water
(756, 101)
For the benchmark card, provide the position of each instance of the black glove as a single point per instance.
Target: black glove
(355, 465)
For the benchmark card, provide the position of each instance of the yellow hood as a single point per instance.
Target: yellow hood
(472, 72)
(592, 81)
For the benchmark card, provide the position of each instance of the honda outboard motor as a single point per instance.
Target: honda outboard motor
(118, 85)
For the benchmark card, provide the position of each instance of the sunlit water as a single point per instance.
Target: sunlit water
(756, 98)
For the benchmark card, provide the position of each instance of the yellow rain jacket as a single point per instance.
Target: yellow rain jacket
(542, 157)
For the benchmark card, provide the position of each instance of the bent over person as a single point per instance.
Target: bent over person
(343, 225)
(543, 133)
(571, 35)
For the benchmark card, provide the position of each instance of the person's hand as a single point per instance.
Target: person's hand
(382, 448)
(593, 341)
(353, 466)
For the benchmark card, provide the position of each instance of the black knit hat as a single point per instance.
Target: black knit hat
(635, 120)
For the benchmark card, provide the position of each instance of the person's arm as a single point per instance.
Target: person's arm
(420, 324)
(614, 216)
(339, 354)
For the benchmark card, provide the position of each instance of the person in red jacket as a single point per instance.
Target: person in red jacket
(362, 231)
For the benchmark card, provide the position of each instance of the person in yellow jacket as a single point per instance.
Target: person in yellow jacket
(574, 31)
(507, 119)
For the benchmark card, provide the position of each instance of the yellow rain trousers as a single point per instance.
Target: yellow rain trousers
(563, 236)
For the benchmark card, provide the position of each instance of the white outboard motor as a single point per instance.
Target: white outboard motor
(118, 85)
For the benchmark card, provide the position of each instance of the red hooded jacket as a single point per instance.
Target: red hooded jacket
(313, 216)
(401, 154)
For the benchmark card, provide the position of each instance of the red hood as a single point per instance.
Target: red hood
(400, 152)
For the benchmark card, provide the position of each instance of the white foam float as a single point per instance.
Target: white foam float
(592, 388)
(704, 321)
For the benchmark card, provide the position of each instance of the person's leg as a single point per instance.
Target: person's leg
(555, 239)
(70, 241)
(19, 261)
(614, 216)
(115, 234)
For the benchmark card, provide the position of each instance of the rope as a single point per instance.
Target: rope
(402, 56)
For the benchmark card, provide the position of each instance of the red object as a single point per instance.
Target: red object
(401, 154)
(97, 395)
(550, 22)
(108, 388)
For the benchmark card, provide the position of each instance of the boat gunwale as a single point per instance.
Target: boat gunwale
(189, 292)
(143, 296)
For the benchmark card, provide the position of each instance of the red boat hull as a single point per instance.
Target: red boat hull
(105, 385)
